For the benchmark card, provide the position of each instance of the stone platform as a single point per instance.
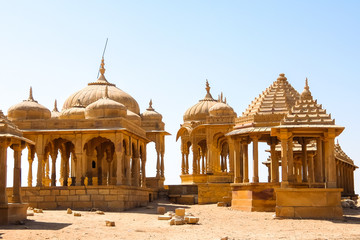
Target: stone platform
(13, 212)
(315, 203)
(254, 197)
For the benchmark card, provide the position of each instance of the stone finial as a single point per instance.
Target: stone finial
(31, 95)
(225, 100)
(207, 86)
(55, 106)
(102, 68)
(306, 94)
(150, 108)
(221, 97)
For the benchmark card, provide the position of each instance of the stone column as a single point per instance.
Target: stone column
(284, 161)
(318, 162)
(246, 162)
(143, 168)
(162, 164)
(330, 160)
(16, 196)
(53, 168)
(304, 160)
(187, 162)
(119, 164)
(237, 178)
(3, 167)
(352, 191)
(290, 160)
(182, 163)
(30, 160)
(255, 159)
(231, 156)
(203, 164)
(195, 157)
(157, 163)
(311, 168)
(40, 158)
(128, 170)
(274, 164)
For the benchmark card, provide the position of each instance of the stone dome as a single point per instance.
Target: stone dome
(55, 112)
(95, 90)
(105, 108)
(221, 109)
(28, 109)
(200, 110)
(75, 112)
(150, 114)
(133, 117)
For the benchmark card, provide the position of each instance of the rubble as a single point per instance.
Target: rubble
(77, 214)
(69, 211)
(161, 210)
(110, 223)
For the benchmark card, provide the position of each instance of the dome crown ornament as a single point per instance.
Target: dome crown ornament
(306, 94)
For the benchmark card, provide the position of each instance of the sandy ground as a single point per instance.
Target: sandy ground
(215, 223)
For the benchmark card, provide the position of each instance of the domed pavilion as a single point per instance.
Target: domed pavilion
(100, 139)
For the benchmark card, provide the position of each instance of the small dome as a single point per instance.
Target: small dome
(200, 110)
(150, 114)
(221, 109)
(28, 109)
(95, 90)
(55, 112)
(76, 112)
(306, 94)
(105, 108)
(133, 117)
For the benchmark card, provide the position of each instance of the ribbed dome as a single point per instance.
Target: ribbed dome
(133, 117)
(105, 108)
(75, 112)
(200, 110)
(95, 90)
(150, 114)
(221, 109)
(28, 109)
(55, 112)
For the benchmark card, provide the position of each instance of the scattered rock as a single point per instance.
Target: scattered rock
(30, 214)
(100, 212)
(161, 210)
(77, 214)
(110, 223)
(222, 204)
(69, 211)
(170, 213)
(191, 220)
(224, 238)
(164, 217)
(36, 210)
(30, 208)
(172, 221)
(180, 212)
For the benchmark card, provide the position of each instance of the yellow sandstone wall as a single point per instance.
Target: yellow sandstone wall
(213, 192)
(116, 198)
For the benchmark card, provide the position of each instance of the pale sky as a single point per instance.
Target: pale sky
(165, 50)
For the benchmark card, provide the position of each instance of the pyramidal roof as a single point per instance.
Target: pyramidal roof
(340, 154)
(276, 99)
(307, 111)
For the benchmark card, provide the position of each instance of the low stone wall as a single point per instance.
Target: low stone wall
(318, 203)
(213, 192)
(110, 198)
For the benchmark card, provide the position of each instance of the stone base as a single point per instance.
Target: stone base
(4, 214)
(155, 182)
(17, 212)
(312, 203)
(254, 197)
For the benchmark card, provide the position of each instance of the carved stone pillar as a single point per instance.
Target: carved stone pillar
(162, 173)
(30, 160)
(311, 168)
(274, 164)
(195, 157)
(255, 159)
(128, 170)
(304, 160)
(40, 158)
(330, 160)
(16, 196)
(318, 162)
(158, 164)
(237, 178)
(284, 162)
(3, 167)
(245, 161)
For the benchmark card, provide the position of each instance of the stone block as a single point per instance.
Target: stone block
(92, 191)
(73, 198)
(72, 192)
(164, 217)
(114, 191)
(39, 198)
(110, 197)
(180, 212)
(55, 192)
(118, 205)
(44, 192)
(85, 198)
(192, 220)
(82, 205)
(64, 205)
(110, 223)
(161, 210)
(100, 212)
(97, 197)
(172, 221)
(100, 204)
(61, 198)
(69, 211)
(64, 192)
(49, 198)
(221, 204)
(287, 212)
(77, 214)
(80, 192)
(104, 191)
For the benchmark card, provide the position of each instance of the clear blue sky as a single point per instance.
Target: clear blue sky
(165, 50)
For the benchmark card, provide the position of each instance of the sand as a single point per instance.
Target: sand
(215, 223)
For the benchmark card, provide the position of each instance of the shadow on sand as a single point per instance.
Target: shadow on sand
(35, 225)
